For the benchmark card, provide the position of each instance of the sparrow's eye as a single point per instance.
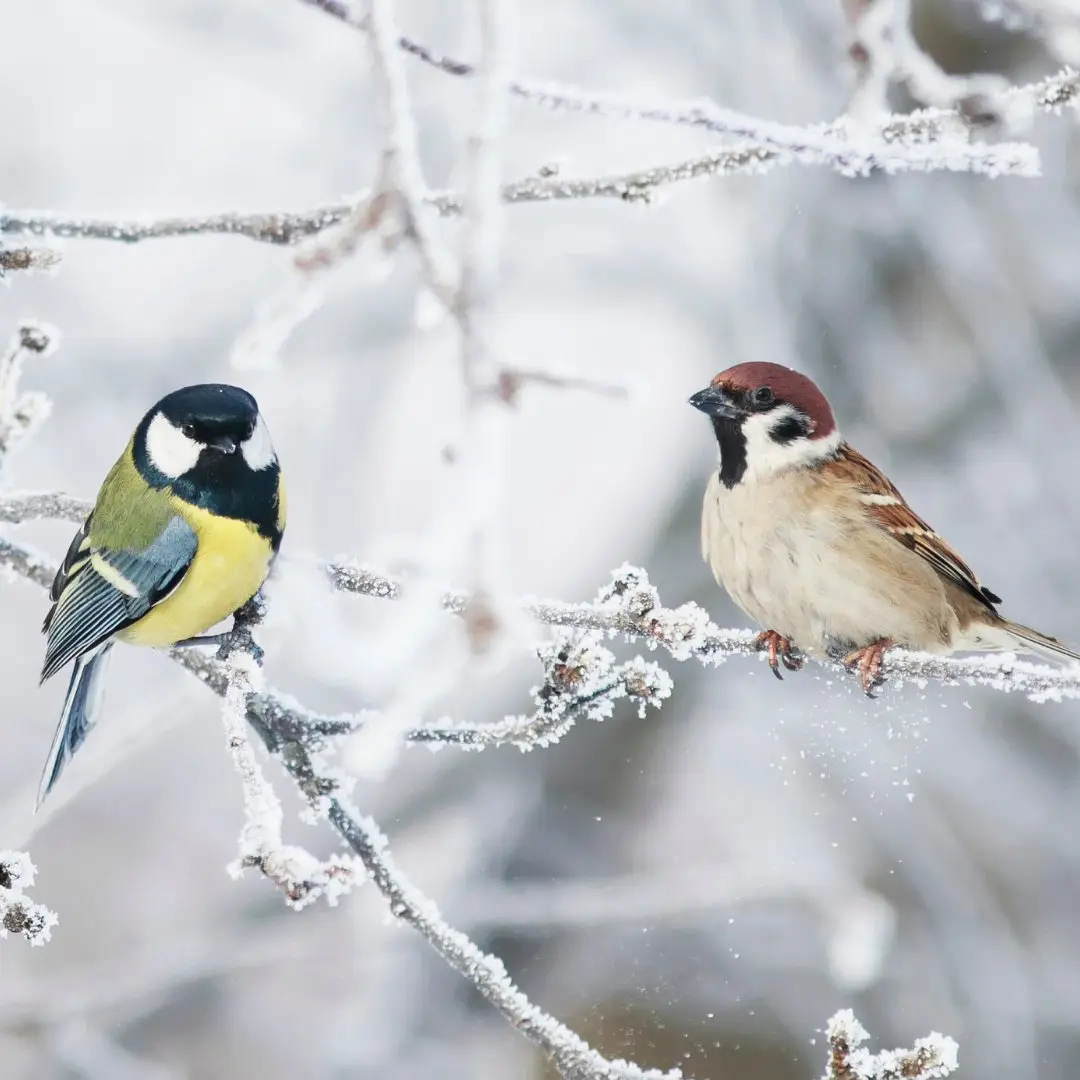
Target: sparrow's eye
(763, 397)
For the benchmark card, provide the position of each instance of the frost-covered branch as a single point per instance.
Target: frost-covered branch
(568, 1052)
(930, 1059)
(299, 875)
(22, 413)
(293, 227)
(18, 913)
(402, 174)
(286, 735)
(481, 458)
(582, 682)
(819, 145)
(27, 260)
(628, 605)
(16, 507)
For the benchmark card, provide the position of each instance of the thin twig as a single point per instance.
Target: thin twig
(22, 413)
(402, 173)
(815, 146)
(481, 459)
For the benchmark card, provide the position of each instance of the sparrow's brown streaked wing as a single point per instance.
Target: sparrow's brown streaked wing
(888, 509)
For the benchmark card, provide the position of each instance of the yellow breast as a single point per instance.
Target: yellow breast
(230, 565)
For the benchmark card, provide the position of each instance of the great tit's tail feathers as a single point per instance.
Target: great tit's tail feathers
(1032, 641)
(79, 714)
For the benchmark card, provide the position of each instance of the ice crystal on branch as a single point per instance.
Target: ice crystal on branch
(19, 914)
(931, 1058)
(21, 414)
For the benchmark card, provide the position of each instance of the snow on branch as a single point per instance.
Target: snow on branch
(292, 227)
(299, 874)
(22, 413)
(945, 147)
(933, 138)
(568, 1052)
(27, 260)
(297, 745)
(18, 913)
(628, 605)
(930, 1059)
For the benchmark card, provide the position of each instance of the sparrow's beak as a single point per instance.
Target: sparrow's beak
(715, 401)
(225, 443)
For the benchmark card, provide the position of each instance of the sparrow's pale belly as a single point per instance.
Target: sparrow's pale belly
(792, 566)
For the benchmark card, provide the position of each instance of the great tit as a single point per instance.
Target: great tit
(183, 533)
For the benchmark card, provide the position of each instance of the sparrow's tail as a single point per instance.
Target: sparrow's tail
(80, 711)
(1032, 641)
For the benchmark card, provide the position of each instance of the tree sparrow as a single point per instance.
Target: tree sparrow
(811, 540)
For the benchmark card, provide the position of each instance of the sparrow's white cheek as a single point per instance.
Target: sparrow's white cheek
(258, 451)
(766, 457)
(170, 451)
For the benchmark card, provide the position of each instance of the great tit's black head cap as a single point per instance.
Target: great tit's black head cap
(210, 409)
(192, 429)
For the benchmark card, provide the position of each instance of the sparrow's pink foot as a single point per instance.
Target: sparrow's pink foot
(780, 650)
(869, 662)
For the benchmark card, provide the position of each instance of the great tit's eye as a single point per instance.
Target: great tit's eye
(763, 397)
(248, 431)
(188, 428)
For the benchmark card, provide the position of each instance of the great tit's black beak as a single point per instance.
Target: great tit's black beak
(716, 401)
(225, 443)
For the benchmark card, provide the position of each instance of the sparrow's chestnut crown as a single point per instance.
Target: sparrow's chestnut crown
(760, 387)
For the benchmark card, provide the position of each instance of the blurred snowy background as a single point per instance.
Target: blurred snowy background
(701, 888)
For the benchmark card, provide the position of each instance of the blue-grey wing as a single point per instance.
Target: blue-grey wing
(100, 591)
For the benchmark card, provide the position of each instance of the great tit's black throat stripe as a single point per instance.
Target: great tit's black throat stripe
(732, 440)
(223, 484)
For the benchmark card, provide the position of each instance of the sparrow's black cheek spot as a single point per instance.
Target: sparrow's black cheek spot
(788, 429)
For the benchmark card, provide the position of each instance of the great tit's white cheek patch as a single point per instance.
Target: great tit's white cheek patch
(258, 451)
(170, 451)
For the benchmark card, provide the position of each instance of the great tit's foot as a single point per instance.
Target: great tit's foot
(241, 636)
(869, 663)
(203, 639)
(780, 650)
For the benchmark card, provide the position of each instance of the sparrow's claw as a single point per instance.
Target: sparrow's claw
(869, 661)
(780, 651)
